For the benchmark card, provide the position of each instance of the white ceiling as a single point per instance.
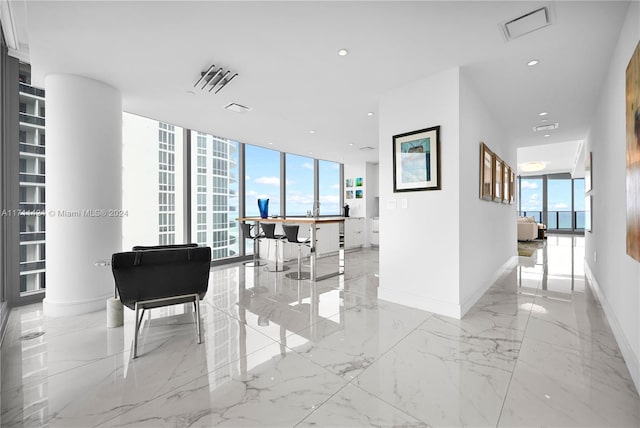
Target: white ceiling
(293, 79)
(558, 158)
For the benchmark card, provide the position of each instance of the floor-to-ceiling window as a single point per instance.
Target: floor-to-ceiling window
(329, 187)
(31, 139)
(531, 197)
(214, 194)
(299, 185)
(578, 203)
(262, 179)
(152, 182)
(559, 203)
(554, 199)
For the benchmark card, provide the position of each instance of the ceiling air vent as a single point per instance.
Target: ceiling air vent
(366, 148)
(237, 108)
(526, 23)
(548, 127)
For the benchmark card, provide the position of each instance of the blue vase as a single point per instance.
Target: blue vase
(263, 206)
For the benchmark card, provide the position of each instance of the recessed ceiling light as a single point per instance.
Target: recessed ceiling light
(544, 113)
(533, 62)
(533, 166)
(547, 135)
(351, 144)
(544, 120)
(370, 113)
(312, 132)
(310, 153)
(343, 52)
(271, 144)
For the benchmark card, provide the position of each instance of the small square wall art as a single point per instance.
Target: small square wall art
(359, 194)
(349, 194)
(349, 182)
(359, 182)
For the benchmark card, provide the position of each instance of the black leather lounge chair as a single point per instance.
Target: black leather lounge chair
(152, 277)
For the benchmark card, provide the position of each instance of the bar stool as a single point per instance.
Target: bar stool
(269, 230)
(246, 232)
(291, 232)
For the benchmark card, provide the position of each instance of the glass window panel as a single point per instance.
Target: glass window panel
(329, 187)
(559, 203)
(299, 185)
(152, 180)
(215, 197)
(578, 201)
(262, 179)
(531, 197)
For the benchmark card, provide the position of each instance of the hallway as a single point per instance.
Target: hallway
(536, 350)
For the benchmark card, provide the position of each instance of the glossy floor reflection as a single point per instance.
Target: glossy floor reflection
(536, 350)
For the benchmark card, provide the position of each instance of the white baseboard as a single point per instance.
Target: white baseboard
(468, 304)
(627, 352)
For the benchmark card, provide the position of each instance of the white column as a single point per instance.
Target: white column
(84, 186)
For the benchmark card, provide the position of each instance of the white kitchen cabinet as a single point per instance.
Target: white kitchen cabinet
(353, 232)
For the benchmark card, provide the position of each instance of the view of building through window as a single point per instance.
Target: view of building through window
(214, 194)
(31, 138)
(152, 182)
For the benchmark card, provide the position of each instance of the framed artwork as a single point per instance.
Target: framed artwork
(416, 160)
(359, 182)
(506, 190)
(359, 194)
(633, 155)
(588, 213)
(349, 194)
(588, 160)
(486, 173)
(512, 186)
(497, 179)
(349, 182)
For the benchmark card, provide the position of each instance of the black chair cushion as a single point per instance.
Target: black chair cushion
(161, 273)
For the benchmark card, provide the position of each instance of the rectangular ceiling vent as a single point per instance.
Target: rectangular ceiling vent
(527, 23)
(549, 127)
(237, 108)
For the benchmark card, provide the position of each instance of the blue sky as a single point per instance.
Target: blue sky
(262, 180)
(558, 194)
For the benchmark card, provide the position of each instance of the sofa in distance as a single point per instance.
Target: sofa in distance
(527, 229)
(152, 277)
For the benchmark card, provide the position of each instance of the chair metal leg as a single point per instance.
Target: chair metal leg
(138, 324)
(197, 305)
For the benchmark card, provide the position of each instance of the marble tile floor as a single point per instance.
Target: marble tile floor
(536, 350)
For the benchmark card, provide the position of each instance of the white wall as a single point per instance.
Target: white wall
(419, 244)
(357, 207)
(615, 275)
(483, 224)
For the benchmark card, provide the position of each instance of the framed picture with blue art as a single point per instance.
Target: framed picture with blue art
(416, 160)
(359, 182)
(349, 194)
(359, 194)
